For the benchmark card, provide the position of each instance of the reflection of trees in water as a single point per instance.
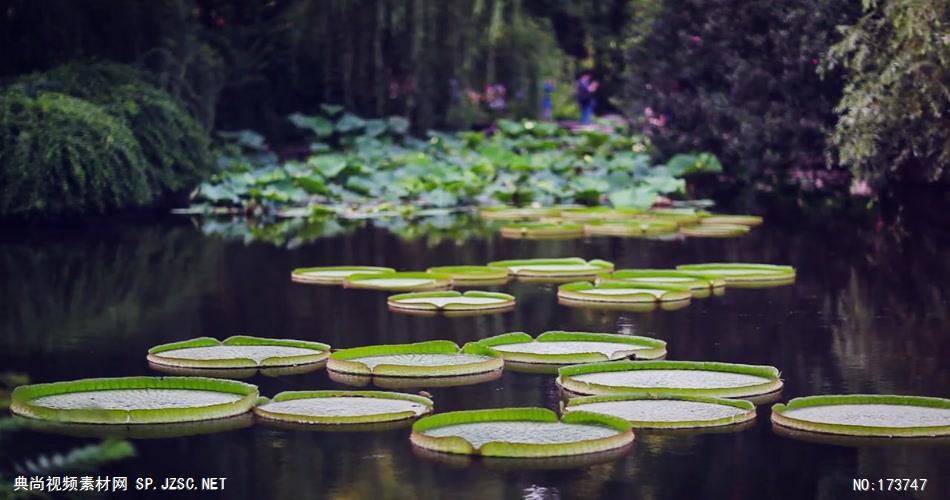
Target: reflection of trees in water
(58, 289)
(891, 314)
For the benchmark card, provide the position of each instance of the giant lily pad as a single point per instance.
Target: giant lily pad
(693, 281)
(598, 213)
(140, 431)
(473, 275)
(542, 231)
(678, 216)
(436, 358)
(744, 274)
(516, 213)
(333, 275)
(563, 348)
(239, 351)
(715, 230)
(619, 292)
(134, 400)
(399, 281)
(667, 411)
(473, 300)
(343, 407)
(632, 227)
(405, 383)
(670, 377)
(520, 432)
(743, 220)
(554, 268)
(869, 415)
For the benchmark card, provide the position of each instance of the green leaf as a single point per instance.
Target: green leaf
(321, 127)
(641, 197)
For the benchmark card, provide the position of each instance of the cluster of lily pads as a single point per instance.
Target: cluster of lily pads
(577, 222)
(612, 383)
(373, 167)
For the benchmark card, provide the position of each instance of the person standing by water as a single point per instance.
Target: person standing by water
(586, 86)
(547, 103)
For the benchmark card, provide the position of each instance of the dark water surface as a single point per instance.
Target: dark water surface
(868, 314)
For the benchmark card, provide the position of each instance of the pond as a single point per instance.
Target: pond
(867, 314)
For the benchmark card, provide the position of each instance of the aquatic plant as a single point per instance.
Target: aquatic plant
(520, 432)
(542, 231)
(239, 351)
(435, 358)
(342, 407)
(691, 280)
(565, 348)
(622, 292)
(869, 415)
(554, 268)
(472, 300)
(739, 274)
(699, 378)
(134, 400)
(333, 275)
(472, 275)
(399, 281)
(666, 411)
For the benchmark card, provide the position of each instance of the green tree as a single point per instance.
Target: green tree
(895, 112)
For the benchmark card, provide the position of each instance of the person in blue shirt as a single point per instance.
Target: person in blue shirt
(586, 86)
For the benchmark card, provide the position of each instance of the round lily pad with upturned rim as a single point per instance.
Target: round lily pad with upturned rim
(140, 431)
(473, 300)
(867, 415)
(333, 275)
(630, 227)
(666, 411)
(620, 292)
(134, 400)
(599, 213)
(516, 213)
(678, 216)
(693, 281)
(741, 273)
(698, 378)
(405, 383)
(742, 220)
(475, 275)
(554, 268)
(343, 407)
(564, 348)
(542, 230)
(399, 281)
(520, 432)
(239, 351)
(715, 230)
(435, 358)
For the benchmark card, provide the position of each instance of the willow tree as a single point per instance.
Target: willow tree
(895, 111)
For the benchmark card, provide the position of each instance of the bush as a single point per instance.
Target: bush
(61, 155)
(54, 126)
(176, 147)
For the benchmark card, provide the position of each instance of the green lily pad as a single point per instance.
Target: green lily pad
(598, 213)
(715, 230)
(141, 431)
(518, 213)
(473, 300)
(678, 216)
(333, 275)
(343, 407)
(554, 268)
(670, 377)
(693, 281)
(542, 231)
(406, 383)
(520, 432)
(564, 348)
(473, 275)
(867, 415)
(620, 292)
(630, 227)
(399, 281)
(744, 274)
(436, 358)
(134, 400)
(742, 220)
(667, 411)
(239, 351)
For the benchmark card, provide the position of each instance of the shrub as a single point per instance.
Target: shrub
(61, 155)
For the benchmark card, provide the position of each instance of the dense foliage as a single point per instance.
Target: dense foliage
(736, 78)
(94, 137)
(895, 112)
(373, 165)
(61, 155)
